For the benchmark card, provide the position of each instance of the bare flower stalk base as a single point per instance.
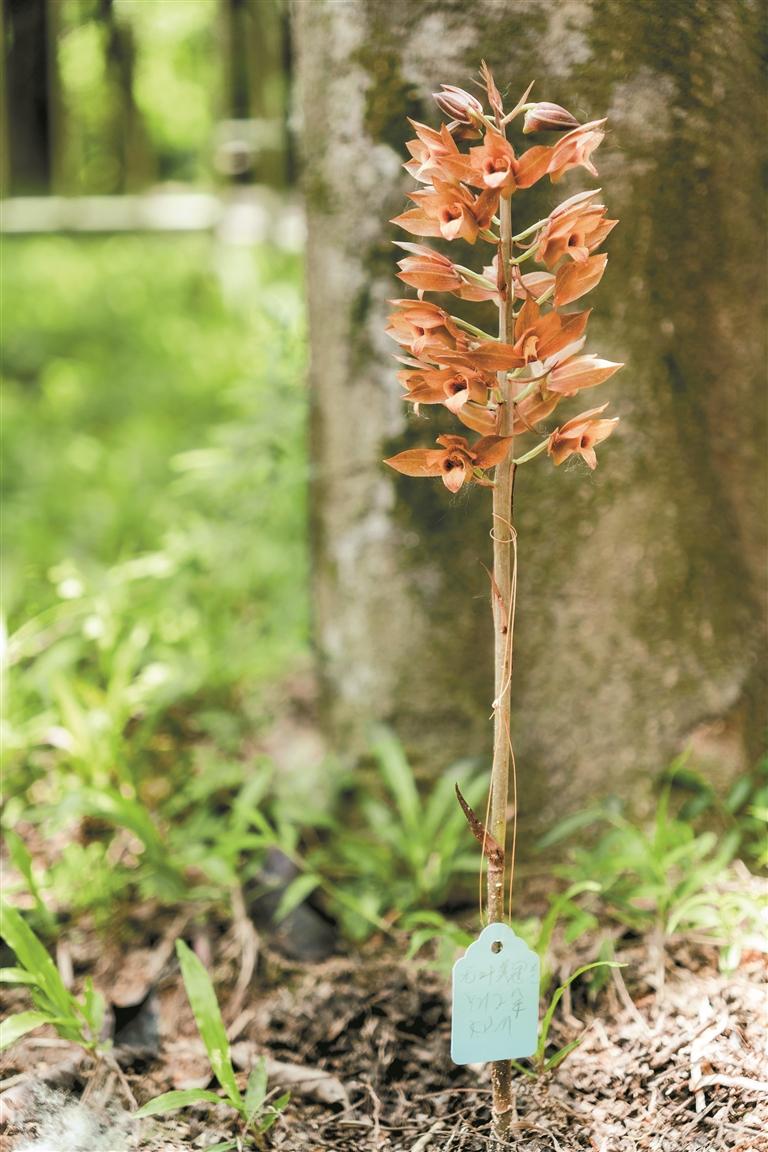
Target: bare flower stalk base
(503, 540)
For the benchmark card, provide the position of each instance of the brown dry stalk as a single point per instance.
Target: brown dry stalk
(503, 536)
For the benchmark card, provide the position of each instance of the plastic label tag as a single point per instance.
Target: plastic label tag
(495, 999)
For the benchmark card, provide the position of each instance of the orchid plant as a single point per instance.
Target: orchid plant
(501, 387)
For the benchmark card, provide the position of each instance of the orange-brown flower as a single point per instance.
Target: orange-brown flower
(456, 462)
(575, 149)
(430, 271)
(435, 156)
(574, 229)
(579, 437)
(538, 336)
(496, 166)
(493, 164)
(488, 356)
(545, 117)
(420, 324)
(451, 387)
(450, 211)
(573, 280)
(579, 372)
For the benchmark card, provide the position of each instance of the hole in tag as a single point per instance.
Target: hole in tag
(496, 946)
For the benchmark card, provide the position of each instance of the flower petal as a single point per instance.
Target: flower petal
(491, 450)
(418, 462)
(574, 280)
(580, 372)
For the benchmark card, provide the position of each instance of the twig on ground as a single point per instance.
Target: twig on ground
(247, 939)
(424, 1141)
(627, 1000)
(376, 1102)
(718, 1080)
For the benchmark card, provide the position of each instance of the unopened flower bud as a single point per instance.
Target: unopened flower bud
(548, 118)
(457, 103)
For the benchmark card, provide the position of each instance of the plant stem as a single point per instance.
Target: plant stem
(532, 228)
(474, 277)
(525, 256)
(530, 387)
(465, 324)
(503, 533)
(533, 452)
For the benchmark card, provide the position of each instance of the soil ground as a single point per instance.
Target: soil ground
(671, 1058)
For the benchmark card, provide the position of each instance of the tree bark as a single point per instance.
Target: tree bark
(640, 595)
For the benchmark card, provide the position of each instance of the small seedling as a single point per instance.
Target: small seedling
(257, 1113)
(540, 1061)
(78, 1019)
(662, 877)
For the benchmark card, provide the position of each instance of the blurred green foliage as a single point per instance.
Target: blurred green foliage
(158, 66)
(155, 555)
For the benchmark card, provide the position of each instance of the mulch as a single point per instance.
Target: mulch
(672, 1058)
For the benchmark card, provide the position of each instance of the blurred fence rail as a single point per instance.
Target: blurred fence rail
(250, 216)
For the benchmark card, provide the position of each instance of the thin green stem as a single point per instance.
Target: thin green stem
(529, 230)
(525, 256)
(533, 452)
(475, 277)
(516, 112)
(528, 390)
(465, 324)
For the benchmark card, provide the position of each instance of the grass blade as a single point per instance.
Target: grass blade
(556, 1060)
(256, 1092)
(16, 976)
(34, 957)
(182, 1098)
(398, 777)
(14, 1027)
(558, 994)
(205, 1007)
(296, 892)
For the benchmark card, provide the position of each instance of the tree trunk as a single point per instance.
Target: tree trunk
(256, 61)
(27, 63)
(640, 587)
(131, 149)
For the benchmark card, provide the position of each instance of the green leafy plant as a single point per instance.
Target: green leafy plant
(743, 809)
(431, 927)
(78, 1019)
(137, 609)
(665, 877)
(540, 1062)
(22, 861)
(256, 1111)
(397, 850)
